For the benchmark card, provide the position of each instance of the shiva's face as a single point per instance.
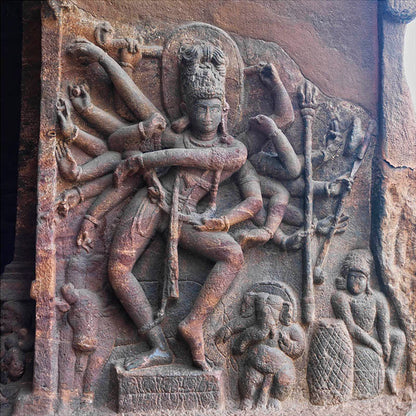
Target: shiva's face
(205, 115)
(356, 282)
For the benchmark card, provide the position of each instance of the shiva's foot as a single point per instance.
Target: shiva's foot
(155, 356)
(193, 335)
(252, 238)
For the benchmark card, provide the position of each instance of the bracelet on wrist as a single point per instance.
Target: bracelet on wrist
(81, 195)
(226, 223)
(140, 161)
(127, 65)
(102, 56)
(141, 129)
(90, 218)
(79, 173)
(275, 132)
(87, 110)
(74, 135)
(269, 231)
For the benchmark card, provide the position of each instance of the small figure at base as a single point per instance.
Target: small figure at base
(366, 313)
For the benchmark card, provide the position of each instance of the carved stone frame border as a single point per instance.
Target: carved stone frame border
(45, 370)
(45, 376)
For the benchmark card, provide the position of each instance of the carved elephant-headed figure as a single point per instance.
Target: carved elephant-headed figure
(268, 340)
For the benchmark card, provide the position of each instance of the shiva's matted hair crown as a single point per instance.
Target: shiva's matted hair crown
(203, 69)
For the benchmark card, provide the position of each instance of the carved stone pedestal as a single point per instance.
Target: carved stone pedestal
(169, 387)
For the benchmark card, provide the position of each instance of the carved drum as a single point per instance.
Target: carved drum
(368, 373)
(330, 371)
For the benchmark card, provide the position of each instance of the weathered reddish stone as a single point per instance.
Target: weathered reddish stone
(279, 184)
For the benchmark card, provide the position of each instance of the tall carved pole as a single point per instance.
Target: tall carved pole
(307, 102)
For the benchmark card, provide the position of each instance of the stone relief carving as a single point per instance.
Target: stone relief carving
(361, 348)
(16, 351)
(87, 331)
(201, 154)
(206, 175)
(367, 317)
(330, 380)
(83, 317)
(205, 155)
(269, 339)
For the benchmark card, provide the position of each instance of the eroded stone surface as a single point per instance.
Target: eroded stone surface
(204, 219)
(173, 387)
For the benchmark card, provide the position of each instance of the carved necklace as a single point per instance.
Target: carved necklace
(189, 141)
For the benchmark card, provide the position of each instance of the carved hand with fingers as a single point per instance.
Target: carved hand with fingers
(263, 124)
(324, 225)
(268, 75)
(340, 185)
(295, 241)
(85, 52)
(334, 130)
(80, 97)
(154, 125)
(85, 235)
(333, 139)
(68, 129)
(212, 224)
(68, 200)
(127, 168)
(68, 167)
(131, 54)
(155, 190)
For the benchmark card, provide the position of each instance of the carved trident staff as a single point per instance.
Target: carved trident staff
(307, 101)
